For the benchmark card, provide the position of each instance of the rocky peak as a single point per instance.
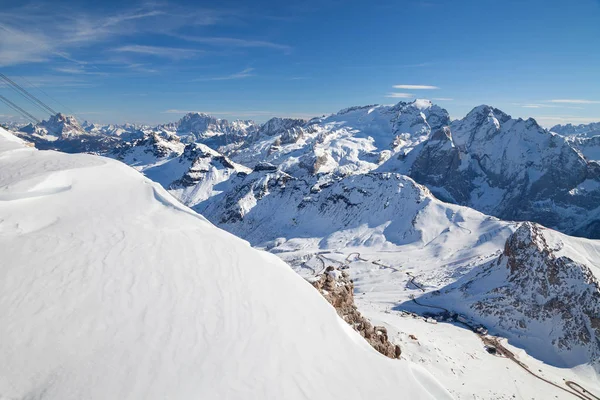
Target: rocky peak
(545, 287)
(276, 126)
(199, 122)
(64, 126)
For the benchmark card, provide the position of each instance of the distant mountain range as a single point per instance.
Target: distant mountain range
(510, 168)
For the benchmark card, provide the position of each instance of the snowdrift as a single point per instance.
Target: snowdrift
(110, 289)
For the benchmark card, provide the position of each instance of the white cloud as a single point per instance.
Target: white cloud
(175, 53)
(442, 99)
(541, 105)
(234, 42)
(80, 70)
(574, 101)
(238, 75)
(43, 39)
(400, 95)
(415, 87)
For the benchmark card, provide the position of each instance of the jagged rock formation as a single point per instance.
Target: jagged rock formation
(125, 132)
(63, 132)
(337, 287)
(277, 126)
(151, 148)
(510, 168)
(579, 131)
(215, 132)
(542, 293)
(204, 169)
(59, 125)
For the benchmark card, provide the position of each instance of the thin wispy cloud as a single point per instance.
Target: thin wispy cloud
(399, 95)
(247, 73)
(18, 47)
(415, 87)
(574, 101)
(23, 40)
(78, 71)
(234, 42)
(53, 81)
(175, 53)
(442, 99)
(545, 105)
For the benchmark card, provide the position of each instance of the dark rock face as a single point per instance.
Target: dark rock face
(276, 126)
(337, 287)
(265, 166)
(201, 160)
(533, 290)
(214, 132)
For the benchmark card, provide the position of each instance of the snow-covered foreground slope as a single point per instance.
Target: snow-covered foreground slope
(110, 289)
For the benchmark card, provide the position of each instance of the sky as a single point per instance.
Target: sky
(151, 62)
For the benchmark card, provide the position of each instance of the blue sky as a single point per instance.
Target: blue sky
(152, 61)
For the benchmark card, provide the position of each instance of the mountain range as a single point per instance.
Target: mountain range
(509, 168)
(426, 213)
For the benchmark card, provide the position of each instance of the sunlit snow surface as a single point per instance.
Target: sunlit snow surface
(109, 289)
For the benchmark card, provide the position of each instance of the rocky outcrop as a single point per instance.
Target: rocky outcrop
(540, 293)
(203, 161)
(152, 146)
(337, 287)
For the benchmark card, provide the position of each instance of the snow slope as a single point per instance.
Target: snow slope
(110, 289)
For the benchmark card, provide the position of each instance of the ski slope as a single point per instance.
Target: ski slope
(110, 289)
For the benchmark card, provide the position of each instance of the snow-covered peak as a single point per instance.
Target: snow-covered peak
(480, 124)
(215, 132)
(276, 125)
(354, 140)
(114, 290)
(59, 125)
